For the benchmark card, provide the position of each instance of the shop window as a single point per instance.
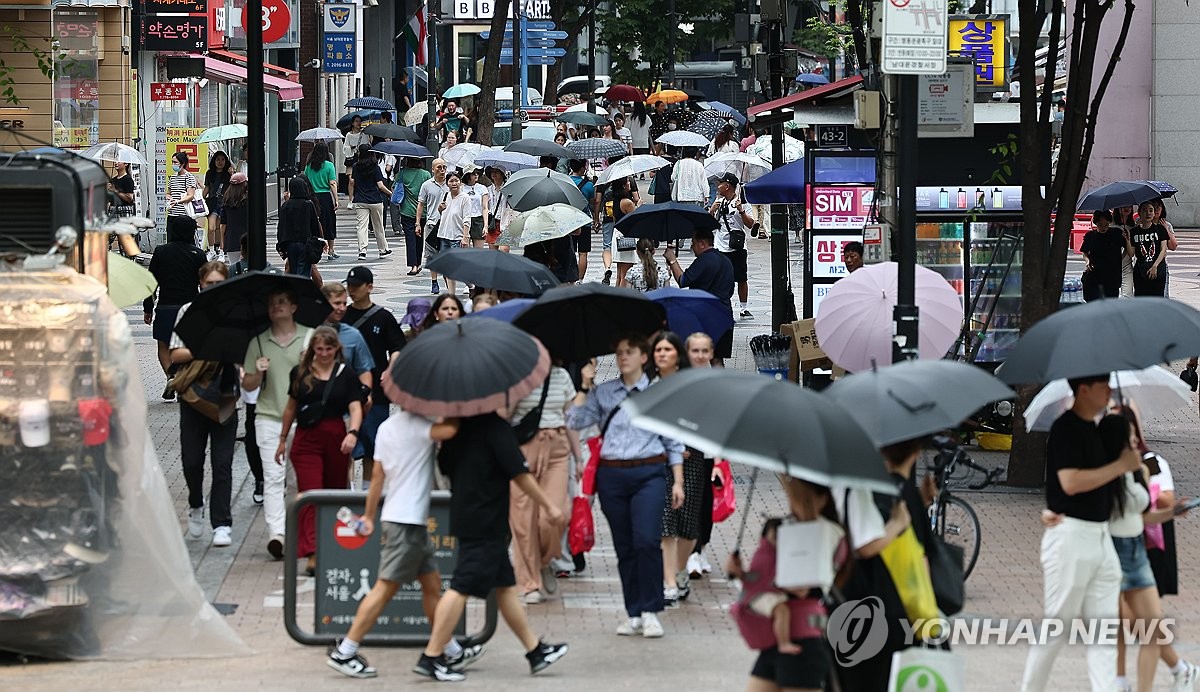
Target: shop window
(75, 52)
(471, 50)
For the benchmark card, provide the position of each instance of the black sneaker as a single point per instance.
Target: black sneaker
(543, 655)
(438, 669)
(356, 666)
(362, 256)
(469, 655)
(607, 277)
(257, 496)
(580, 562)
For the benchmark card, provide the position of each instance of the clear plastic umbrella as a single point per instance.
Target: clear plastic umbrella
(318, 134)
(1156, 391)
(221, 133)
(683, 138)
(793, 149)
(632, 165)
(460, 155)
(115, 151)
(746, 167)
(509, 161)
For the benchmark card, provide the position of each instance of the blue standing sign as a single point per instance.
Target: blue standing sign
(338, 54)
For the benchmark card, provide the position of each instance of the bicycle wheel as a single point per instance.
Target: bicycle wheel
(958, 525)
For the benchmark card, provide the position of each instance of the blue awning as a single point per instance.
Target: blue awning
(784, 185)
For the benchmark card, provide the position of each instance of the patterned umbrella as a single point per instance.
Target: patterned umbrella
(727, 111)
(318, 134)
(708, 123)
(793, 148)
(417, 113)
(597, 148)
(370, 103)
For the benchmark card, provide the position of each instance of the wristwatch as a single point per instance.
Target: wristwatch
(352, 432)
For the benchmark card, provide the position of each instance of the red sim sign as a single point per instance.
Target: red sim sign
(347, 537)
(276, 20)
(168, 91)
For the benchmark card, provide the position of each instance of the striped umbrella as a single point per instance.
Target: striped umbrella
(370, 103)
(597, 148)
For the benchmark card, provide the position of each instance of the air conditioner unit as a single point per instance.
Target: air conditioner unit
(866, 110)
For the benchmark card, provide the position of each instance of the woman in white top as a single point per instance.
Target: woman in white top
(724, 142)
(455, 221)
(350, 143)
(689, 182)
(480, 201)
(498, 209)
(647, 275)
(623, 132)
(451, 140)
(639, 128)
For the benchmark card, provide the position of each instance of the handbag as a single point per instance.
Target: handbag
(946, 573)
(314, 247)
(804, 554)
(582, 535)
(923, 668)
(737, 236)
(724, 501)
(527, 428)
(311, 413)
(624, 244)
(209, 388)
(431, 239)
(905, 562)
(197, 208)
(588, 483)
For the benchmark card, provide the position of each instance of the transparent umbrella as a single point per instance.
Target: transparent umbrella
(115, 151)
(746, 167)
(547, 223)
(793, 148)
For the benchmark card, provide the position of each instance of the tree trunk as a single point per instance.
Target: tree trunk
(491, 76)
(854, 17)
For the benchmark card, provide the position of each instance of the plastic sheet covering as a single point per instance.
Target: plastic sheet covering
(92, 561)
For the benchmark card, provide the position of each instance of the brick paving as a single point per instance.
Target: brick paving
(701, 650)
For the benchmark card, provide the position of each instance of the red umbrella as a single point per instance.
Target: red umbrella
(624, 92)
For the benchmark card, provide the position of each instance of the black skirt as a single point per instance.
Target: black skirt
(1164, 562)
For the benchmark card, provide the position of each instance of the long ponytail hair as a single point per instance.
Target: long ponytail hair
(645, 252)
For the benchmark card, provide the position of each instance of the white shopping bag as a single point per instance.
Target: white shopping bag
(356, 475)
(804, 554)
(917, 669)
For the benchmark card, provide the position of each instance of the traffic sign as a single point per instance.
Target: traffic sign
(531, 33)
(532, 43)
(536, 52)
(914, 36)
(530, 60)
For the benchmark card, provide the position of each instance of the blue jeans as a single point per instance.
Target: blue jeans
(632, 500)
(297, 255)
(365, 448)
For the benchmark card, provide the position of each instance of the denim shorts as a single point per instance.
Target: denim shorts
(446, 244)
(1135, 565)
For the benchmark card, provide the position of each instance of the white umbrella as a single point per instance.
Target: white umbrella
(460, 155)
(115, 151)
(318, 134)
(746, 167)
(547, 223)
(683, 138)
(1155, 390)
(508, 161)
(417, 113)
(793, 149)
(632, 165)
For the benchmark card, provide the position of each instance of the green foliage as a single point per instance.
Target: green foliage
(817, 36)
(1006, 152)
(23, 44)
(644, 28)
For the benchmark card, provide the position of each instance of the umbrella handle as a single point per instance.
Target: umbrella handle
(737, 547)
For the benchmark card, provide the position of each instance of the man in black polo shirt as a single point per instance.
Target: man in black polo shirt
(1081, 571)
(713, 272)
(481, 461)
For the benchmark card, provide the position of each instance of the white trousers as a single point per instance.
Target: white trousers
(1082, 580)
(267, 431)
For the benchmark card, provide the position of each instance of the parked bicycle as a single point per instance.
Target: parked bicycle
(952, 518)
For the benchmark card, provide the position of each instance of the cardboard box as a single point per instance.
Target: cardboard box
(806, 352)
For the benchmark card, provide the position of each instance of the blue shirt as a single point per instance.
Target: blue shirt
(713, 272)
(587, 188)
(622, 440)
(354, 349)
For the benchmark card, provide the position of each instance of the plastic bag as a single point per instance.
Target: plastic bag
(921, 668)
(724, 501)
(905, 560)
(588, 484)
(582, 535)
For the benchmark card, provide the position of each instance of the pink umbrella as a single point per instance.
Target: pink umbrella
(855, 322)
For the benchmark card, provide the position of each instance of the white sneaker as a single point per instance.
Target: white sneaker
(705, 565)
(651, 627)
(222, 536)
(670, 597)
(533, 598)
(1185, 680)
(195, 527)
(630, 628)
(694, 570)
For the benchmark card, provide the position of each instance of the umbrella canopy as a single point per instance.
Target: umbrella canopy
(417, 113)
(667, 96)
(708, 124)
(1164, 188)
(366, 114)
(765, 423)
(460, 90)
(1155, 391)
(747, 167)
(500, 271)
(221, 133)
(1136, 334)
(583, 117)
(784, 185)
(793, 149)
(318, 134)
(579, 321)
(855, 319)
(1121, 194)
(224, 317)
(547, 223)
(115, 151)
(508, 161)
(812, 78)
(466, 368)
(597, 148)
(727, 111)
(690, 310)
(632, 165)
(683, 138)
(393, 131)
(128, 281)
(666, 221)
(370, 103)
(539, 147)
(402, 148)
(915, 398)
(624, 92)
(539, 187)
(506, 311)
(460, 155)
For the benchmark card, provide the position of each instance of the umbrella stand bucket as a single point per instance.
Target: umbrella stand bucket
(780, 374)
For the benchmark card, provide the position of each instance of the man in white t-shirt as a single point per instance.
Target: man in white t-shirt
(403, 475)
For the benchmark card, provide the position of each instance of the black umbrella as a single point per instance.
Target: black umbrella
(915, 397)
(343, 122)
(1118, 335)
(466, 368)
(539, 187)
(1120, 194)
(576, 322)
(539, 147)
(224, 317)
(501, 271)
(370, 103)
(666, 221)
(757, 420)
(408, 149)
(393, 131)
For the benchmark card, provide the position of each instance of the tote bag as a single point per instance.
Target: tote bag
(905, 561)
(918, 668)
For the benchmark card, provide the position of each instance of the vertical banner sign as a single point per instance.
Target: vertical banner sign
(914, 36)
(134, 118)
(984, 38)
(175, 139)
(338, 47)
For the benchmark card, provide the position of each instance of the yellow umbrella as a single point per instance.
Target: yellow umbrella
(667, 96)
(128, 282)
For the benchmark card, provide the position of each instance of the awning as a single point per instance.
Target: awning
(704, 69)
(236, 74)
(238, 59)
(781, 110)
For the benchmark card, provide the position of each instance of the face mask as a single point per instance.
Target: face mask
(671, 126)
(176, 167)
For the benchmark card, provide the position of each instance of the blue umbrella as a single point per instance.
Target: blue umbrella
(1119, 194)
(666, 221)
(370, 103)
(1164, 188)
(727, 111)
(690, 310)
(366, 114)
(460, 90)
(402, 148)
(784, 185)
(811, 78)
(506, 311)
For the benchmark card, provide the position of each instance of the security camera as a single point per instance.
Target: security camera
(314, 63)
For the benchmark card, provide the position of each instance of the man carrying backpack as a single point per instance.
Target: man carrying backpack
(583, 241)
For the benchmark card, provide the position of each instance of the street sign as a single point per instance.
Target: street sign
(914, 36)
(531, 42)
(536, 52)
(339, 18)
(338, 54)
(168, 91)
(530, 33)
(530, 60)
(833, 135)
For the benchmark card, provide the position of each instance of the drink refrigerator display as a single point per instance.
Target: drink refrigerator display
(958, 232)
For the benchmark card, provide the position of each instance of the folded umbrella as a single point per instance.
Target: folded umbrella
(632, 165)
(539, 147)
(1135, 334)
(466, 368)
(1155, 391)
(624, 92)
(501, 271)
(115, 151)
(370, 103)
(539, 187)
(508, 161)
(690, 310)
(683, 138)
(318, 134)
(763, 422)
(393, 131)
(417, 113)
(1119, 194)
(402, 148)
(128, 281)
(547, 223)
(460, 90)
(583, 117)
(221, 133)
(578, 321)
(855, 321)
(666, 221)
(597, 148)
(224, 317)
(915, 398)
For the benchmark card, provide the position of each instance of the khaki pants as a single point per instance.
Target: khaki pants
(371, 214)
(535, 541)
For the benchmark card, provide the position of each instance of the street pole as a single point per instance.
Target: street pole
(782, 302)
(592, 58)
(256, 137)
(431, 65)
(904, 345)
(518, 37)
(674, 27)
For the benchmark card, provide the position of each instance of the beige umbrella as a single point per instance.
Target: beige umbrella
(417, 113)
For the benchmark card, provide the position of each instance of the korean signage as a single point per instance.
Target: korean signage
(914, 36)
(76, 33)
(175, 6)
(168, 91)
(840, 208)
(338, 54)
(280, 23)
(484, 9)
(183, 33)
(985, 39)
(827, 254)
(216, 25)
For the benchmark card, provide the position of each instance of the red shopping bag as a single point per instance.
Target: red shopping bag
(588, 486)
(724, 502)
(582, 535)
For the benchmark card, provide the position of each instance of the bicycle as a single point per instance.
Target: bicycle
(952, 518)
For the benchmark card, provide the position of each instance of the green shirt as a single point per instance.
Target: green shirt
(273, 392)
(322, 177)
(413, 179)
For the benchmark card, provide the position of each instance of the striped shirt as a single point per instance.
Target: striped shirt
(177, 187)
(560, 393)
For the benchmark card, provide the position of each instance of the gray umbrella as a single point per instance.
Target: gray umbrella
(1129, 335)
(539, 187)
(583, 118)
(765, 423)
(915, 398)
(539, 147)
(501, 271)
(597, 148)
(393, 131)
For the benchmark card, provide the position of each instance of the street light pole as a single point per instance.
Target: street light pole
(904, 344)
(431, 66)
(592, 58)
(674, 27)
(256, 206)
(783, 304)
